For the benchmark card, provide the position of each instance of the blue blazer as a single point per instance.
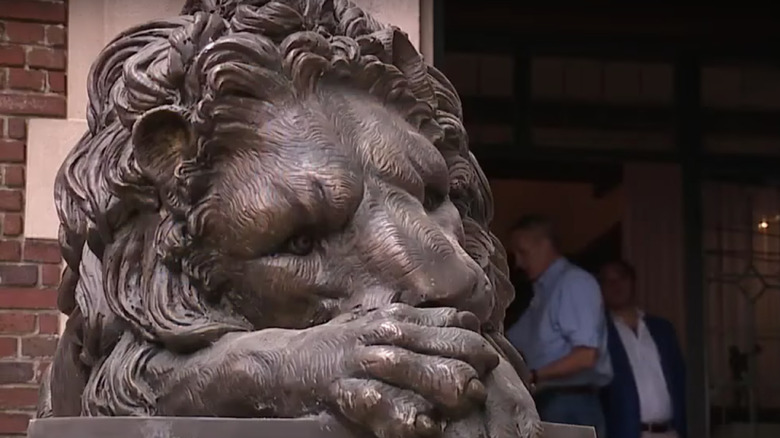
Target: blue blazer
(621, 399)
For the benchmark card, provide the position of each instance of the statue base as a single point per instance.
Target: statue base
(193, 427)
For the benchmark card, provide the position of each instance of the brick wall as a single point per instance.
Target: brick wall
(32, 84)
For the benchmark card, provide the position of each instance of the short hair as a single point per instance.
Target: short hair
(537, 223)
(624, 266)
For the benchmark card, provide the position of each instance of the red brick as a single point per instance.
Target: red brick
(14, 176)
(18, 397)
(51, 274)
(13, 225)
(56, 36)
(11, 151)
(13, 424)
(43, 299)
(17, 323)
(2, 84)
(24, 33)
(50, 59)
(42, 251)
(11, 200)
(10, 250)
(49, 324)
(39, 346)
(21, 79)
(57, 83)
(33, 10)
(17, 128)
(11, 56)
(32, 105)
(17, 275)
(8, 347)
(16, 372)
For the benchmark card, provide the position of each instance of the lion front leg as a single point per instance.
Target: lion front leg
(510, 409)
(398, 372)
(63, 383)
(44, 396)
(234, 377)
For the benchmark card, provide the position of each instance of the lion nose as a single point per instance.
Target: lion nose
(455, 285)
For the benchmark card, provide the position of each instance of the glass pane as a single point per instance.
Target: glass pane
(742, 279)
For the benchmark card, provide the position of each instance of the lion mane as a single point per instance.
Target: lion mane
(136, 280)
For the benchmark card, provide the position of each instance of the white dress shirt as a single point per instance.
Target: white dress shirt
(655, 403)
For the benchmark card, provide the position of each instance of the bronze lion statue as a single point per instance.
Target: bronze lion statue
(274, 214)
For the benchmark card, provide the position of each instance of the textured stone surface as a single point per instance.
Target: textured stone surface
(320, 427)
(119, 427)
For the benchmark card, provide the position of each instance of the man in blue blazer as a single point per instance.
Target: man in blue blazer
(646, 397)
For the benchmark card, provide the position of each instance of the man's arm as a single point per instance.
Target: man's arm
(581, 320)
(580, 359)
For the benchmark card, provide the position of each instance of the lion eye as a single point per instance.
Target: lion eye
(300, 245)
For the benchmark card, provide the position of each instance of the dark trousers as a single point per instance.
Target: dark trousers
(576, 408)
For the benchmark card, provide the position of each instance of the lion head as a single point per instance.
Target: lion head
(256, 164)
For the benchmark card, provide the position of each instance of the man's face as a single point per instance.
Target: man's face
(531, 251)
(616, 286)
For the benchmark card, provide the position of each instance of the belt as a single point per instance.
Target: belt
(578, 389)
(656, 427)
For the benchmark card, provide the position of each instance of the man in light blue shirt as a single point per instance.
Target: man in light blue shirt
(563, 333)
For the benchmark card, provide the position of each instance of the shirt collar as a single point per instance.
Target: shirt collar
(640, 314)
(550, 275)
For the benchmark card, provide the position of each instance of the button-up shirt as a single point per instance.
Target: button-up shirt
(566, 311)
(655, 403)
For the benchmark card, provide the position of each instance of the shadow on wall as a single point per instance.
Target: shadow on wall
(580, 216)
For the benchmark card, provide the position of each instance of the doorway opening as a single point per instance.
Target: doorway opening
(567, 107)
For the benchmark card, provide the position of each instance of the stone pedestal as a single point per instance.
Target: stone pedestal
(183, 427)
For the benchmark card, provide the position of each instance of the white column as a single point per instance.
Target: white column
(653, 238)
(91, 25)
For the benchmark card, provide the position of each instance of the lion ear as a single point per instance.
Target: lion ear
(162, 138)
